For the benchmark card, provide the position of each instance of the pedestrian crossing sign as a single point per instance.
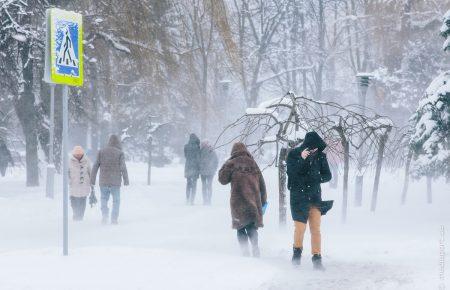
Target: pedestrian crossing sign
(64, 60)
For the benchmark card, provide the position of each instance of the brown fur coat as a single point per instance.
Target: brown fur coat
(248, 190)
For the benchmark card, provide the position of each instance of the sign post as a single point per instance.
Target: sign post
(50, 186)
(64, 65)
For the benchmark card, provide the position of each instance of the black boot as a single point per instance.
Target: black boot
(297, 256)
(317, 262)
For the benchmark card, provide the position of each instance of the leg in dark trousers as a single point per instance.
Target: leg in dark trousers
(209, 179)
(78, 207)
(82, 207)
(206, 184)
(252, 233)
(74, 205)
(193, 190)
(243, 241)
(188, 189)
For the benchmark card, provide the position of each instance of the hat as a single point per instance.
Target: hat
(77, 150)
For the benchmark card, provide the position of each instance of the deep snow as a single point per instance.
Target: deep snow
(161, 243)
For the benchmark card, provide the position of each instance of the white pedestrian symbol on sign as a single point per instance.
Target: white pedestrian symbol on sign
(66, 53)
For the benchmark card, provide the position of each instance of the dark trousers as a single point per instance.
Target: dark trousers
(191, 188)
(207, 188)
(78, 207)
(249, 232)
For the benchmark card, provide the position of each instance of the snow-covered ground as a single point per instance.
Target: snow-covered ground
(161, 243)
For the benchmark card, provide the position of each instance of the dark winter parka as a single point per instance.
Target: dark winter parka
(248, 190)
(305, 177)
(192, 155)
(208, 161)
(111, 162)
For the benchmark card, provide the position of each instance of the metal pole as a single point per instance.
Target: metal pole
(359, 181)
(65, 151)
(50, 188)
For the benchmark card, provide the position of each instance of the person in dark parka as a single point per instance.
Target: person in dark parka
(111, 163)
(208, 168)
(307, 168)
(5, 158)
(248, 196)
(192, 167)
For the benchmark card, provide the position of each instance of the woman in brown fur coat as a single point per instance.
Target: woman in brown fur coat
(248, 195)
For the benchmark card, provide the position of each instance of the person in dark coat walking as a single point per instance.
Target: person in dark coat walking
(248, 196)
(307, 168)
(111, 162)
(5, 158)
(208, 167)
(192, 167)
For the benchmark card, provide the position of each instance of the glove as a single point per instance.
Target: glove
(92, 198)
(264, 207)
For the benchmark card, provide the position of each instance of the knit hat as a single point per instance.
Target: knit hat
(77, 150)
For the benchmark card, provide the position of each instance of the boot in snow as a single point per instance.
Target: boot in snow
(245, 250)
(317, 262)
(255, 251)
(297, 256)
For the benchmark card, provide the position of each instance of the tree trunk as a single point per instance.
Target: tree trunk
(429, 190)
(149, 161)
(359, 182)
(335, 180)
(282, 186)
(26, 112)
(346, 146)
(345, 182)
(406, 178)
(383, 141)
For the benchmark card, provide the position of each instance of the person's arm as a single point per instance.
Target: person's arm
(262, 188)
(296, 165)
(123, 170)
(325, 172)
(89, 166)
(225, 173)
(95, 169)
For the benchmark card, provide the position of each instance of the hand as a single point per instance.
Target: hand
(305, 153)
(126, 183)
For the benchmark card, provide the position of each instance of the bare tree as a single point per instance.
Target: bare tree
(284, 121)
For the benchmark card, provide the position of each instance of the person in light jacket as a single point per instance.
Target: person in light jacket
(111, 162)
(79, 182)
(192, 167)
(208, 167)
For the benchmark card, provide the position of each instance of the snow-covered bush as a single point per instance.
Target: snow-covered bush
(430, 140)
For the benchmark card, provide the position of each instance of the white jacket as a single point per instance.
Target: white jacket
(79, 176)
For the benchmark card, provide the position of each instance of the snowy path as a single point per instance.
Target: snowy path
(163, 244)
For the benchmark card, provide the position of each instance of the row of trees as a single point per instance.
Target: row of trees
(171, 62)
(284, 121)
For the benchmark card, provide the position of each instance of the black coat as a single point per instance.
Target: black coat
(305, 177)
(192, 155)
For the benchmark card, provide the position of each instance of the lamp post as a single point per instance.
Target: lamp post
(363, 80)
(224, 95)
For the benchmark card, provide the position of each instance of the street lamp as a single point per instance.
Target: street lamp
(363, 80)
(224, 94)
